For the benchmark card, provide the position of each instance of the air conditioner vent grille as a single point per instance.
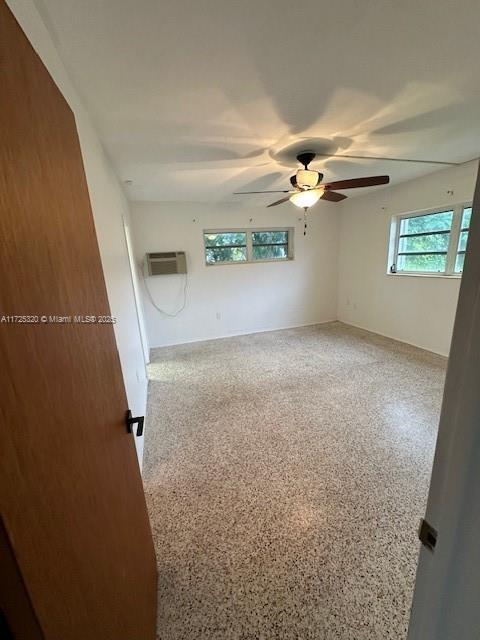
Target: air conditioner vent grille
(166, 263)
(167, 254)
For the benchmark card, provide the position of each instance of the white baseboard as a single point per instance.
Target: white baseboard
(298, 326)
(243, 333)
(390, 337)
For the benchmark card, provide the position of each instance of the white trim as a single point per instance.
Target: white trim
(245, 333)
(395, 339)
(299, 326)
(425, 274)
(454, 237)
(136, 294)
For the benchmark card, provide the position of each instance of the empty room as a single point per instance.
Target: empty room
(239, 320)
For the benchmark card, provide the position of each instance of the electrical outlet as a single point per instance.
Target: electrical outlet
(218, 315)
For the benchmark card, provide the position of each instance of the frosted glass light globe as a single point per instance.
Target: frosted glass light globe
(307, 198)
(307, 179)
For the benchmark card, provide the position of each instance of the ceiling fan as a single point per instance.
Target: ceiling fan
(309, 189)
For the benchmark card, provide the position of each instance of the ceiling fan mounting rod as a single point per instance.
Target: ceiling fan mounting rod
(305, 158)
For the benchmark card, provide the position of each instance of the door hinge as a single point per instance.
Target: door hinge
(131, 421)
(427, 535)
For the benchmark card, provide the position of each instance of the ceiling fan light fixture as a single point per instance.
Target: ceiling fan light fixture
(307, 198)
(307, 179)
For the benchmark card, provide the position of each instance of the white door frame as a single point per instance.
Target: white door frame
(136, 291)
(446, 604)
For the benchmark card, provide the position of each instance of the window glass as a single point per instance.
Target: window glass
(462, 239)
(423, 242)
(269, 245)
(441, 221)
(225, 247)
(430, 242)
(269, 237)
(247, 246)
(435, 242)
(429, 262)
(462, 244)
(459, 262)
(466, 217)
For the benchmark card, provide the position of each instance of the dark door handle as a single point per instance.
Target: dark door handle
(130, 420)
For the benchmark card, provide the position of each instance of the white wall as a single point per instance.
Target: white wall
(247, 297)
(109, 208)
(419, 310)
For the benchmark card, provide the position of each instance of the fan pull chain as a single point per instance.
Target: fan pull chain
(305, 221)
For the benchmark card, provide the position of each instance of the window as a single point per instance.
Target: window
(423, 242)
(225, 247)
(432, 242)
(248, 245)
(462, 240)
(269, 245)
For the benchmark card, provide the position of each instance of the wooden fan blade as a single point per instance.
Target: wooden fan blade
(245, 193)
(332, 196)
(371, 181)
(281, 201)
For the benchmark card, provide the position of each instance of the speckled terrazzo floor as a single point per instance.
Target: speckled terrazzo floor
(285, 475)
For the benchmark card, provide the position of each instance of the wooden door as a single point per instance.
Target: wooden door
(72, 501)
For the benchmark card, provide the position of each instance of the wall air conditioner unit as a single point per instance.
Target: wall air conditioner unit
(167, 263)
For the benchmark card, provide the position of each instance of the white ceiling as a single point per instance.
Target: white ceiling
(196, 99)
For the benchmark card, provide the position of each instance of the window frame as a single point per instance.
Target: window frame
(453, 243)
(249, 232)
